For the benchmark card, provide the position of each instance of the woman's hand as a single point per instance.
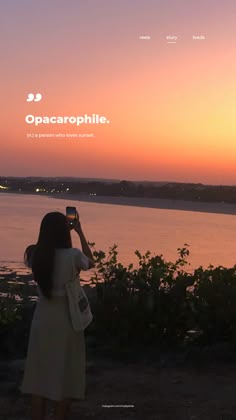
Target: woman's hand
(85, 247)
(77, 225)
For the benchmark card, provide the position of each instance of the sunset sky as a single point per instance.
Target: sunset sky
(171, 107)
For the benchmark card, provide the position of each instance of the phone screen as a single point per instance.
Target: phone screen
(71, 215)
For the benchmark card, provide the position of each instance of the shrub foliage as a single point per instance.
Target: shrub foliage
(162, 302)
(154, 303)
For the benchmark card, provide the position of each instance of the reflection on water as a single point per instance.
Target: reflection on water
(17, 267)
(211, 237)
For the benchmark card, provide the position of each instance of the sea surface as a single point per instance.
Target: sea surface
(211, 237)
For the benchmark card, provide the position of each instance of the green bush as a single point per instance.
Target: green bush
(14, 296)
(16, 312)
(145, 305)
(214, 303)
(161, 302)
(9, 307)
(154, 303)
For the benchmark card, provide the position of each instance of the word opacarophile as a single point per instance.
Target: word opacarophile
(78, 120)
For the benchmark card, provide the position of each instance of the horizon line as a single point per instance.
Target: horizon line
(117, 180)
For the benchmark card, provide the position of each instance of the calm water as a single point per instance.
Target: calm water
(212, 237)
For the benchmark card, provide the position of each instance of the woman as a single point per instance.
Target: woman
(55, 364)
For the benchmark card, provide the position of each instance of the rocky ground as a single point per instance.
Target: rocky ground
(156, 392)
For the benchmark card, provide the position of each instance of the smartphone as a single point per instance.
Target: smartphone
(71, 215)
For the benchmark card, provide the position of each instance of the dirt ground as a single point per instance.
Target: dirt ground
(147, 391)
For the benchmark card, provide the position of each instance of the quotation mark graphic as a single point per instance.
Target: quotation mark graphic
(32, 97)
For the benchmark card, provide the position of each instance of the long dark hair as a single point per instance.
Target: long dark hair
(54, 233)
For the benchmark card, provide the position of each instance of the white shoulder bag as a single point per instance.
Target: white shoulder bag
(79, 308)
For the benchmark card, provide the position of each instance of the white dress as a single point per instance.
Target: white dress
(55, 363)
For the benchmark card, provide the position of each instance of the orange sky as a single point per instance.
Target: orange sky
(171, 106)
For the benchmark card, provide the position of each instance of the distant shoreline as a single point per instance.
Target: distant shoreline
(154, 203)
